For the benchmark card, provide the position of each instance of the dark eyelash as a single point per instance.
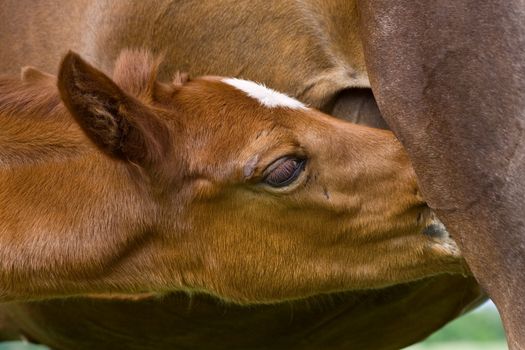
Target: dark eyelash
(285, 172)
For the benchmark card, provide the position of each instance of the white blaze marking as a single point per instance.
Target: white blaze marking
(266, 96)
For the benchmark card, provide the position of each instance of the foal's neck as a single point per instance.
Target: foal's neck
(65, 208)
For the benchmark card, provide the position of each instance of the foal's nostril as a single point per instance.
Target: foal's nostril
(436, 230)
(432, 231)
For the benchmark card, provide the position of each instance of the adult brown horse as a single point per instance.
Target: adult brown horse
(450, 79)
(318, 44)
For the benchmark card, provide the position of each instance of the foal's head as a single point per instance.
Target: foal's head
(258, 197)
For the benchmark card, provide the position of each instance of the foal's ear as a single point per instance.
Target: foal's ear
(119, 124)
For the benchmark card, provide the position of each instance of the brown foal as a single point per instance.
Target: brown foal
(218, 185)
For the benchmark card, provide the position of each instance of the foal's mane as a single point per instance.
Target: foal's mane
(34, 123)
(27, 98)
(135, 72)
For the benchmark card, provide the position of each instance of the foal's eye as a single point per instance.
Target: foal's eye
(284, 171)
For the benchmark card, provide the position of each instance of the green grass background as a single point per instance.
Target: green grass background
(480, 329)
